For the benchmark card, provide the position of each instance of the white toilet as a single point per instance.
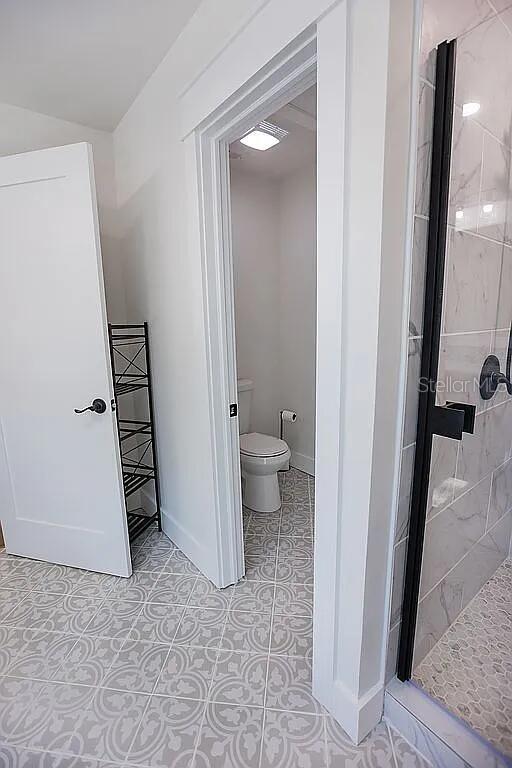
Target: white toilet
(261, 457)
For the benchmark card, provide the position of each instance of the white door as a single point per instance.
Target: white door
(60, 473)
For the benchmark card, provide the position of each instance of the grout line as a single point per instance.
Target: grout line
(478, 235)
(160, 573)
(393, 752)
(463, 556)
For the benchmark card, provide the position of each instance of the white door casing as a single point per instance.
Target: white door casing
(60, 472)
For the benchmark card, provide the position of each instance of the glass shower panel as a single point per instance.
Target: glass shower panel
(463, 631)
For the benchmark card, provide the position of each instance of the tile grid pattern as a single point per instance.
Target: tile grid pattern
(163, 669)
(469, 669)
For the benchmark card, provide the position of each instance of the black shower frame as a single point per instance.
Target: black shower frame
(428, 412)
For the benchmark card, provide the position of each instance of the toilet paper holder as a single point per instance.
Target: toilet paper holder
(285, 415)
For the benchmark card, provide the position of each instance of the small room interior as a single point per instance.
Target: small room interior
(273, 223)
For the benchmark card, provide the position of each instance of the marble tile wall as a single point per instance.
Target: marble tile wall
(469, 519)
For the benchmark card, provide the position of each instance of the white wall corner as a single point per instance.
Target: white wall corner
(362, 484)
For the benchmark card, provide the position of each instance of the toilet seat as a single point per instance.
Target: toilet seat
(265, 446)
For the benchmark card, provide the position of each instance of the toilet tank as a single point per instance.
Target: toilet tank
(245, 387)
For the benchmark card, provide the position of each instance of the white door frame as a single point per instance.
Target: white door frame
(355, 483)
(295, 73)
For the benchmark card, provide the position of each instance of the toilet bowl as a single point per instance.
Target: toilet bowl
(262, 457)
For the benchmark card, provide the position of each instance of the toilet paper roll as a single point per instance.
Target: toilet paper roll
(288, 416)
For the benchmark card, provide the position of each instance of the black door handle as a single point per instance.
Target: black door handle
(98, 406)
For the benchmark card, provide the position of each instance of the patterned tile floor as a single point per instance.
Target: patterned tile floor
(470, 669)
(163, 670)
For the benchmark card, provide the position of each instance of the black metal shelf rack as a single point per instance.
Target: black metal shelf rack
(131, 370)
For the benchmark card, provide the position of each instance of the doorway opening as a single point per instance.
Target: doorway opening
(273, 245)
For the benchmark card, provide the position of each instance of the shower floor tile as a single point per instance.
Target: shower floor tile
(469, 670)
(166, 669)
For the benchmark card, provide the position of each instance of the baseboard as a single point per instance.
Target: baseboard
(440, 737)
(356, 715)
(303, 463)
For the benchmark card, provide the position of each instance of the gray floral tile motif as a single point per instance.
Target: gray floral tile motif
(33, 612)
(187, 672)
(179, 563)
(52, 717)
(294, 569)
(114, 618)
(254, 596)
(137, 666)
(258, 569)
(41, 654)
(8, 565)
(21, 583)
(296, 524)
(201, 627)
(12, 640)
(157, 623)
(16, 695)
(173, 588)
(207, 595)
(9, 599)
(156, 538)
(265, 524)
(137, 588)
(289, 685)
(89, 660)
(258, 545)
(35, 569)
(294, 599)
(150, 559)
(239, 678)
(18, 757)
(95, 584)
(168, 733)
(405, 754)
(467, 667)
(73, 614)
(375, 750)
(296, 546)
(107, 728)
(292, 739)
(247, 632)
(230, 736)
(294, 499)
(61, 580)
(292, 636)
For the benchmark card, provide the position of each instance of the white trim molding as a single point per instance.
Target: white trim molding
(345, 46)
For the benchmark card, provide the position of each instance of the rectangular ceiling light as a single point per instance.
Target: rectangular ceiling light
(263, 136)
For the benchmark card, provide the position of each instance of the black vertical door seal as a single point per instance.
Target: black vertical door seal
(434, 275)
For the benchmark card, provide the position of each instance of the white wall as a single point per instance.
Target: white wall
(297, 304)
(22, 131)
(274, 256)
(255, 231)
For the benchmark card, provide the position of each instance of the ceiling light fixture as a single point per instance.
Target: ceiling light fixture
(259, 140)
(470, 108)
(263, 136)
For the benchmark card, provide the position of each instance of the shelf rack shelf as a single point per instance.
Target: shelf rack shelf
(131, 371)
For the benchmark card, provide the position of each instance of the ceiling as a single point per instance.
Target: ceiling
(84, 60)
(295, 151)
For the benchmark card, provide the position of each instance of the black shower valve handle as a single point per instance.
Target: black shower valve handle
(500, 378)
(491, 377)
